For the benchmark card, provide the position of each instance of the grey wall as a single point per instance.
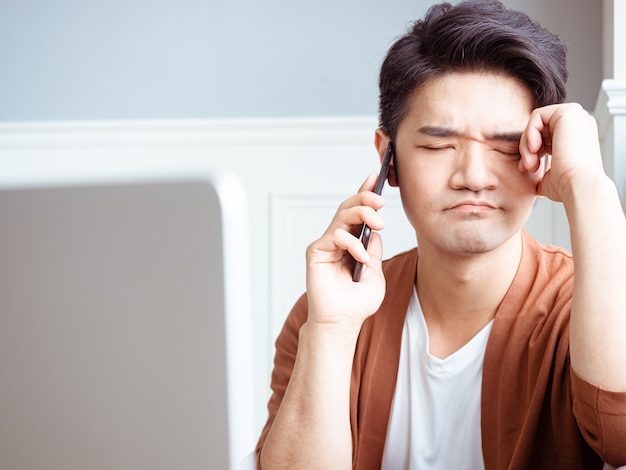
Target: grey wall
(136, 59)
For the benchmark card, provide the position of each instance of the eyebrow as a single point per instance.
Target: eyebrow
(435, 131)
(507, 137)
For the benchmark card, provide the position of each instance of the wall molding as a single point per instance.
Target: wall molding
(611, 102)
(610, 114)
(188, 132)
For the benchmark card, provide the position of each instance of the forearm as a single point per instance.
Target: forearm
(598, 322)
(312, 427)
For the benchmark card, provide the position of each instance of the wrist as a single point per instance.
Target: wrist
(345, 331)
(588, 191)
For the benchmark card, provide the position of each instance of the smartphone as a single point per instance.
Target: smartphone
(378, 189)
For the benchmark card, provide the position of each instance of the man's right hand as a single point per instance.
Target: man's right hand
(334, 298)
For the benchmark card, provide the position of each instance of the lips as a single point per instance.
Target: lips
(473, 206)
(475, 203)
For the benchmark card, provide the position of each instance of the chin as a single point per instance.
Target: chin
(472, 246)
(472, 242)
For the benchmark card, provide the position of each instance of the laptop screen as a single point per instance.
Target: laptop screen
(124, 338)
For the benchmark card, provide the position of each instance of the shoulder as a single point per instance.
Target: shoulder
(547, 265)
(538, 302)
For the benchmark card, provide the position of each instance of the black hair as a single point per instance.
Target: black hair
(472, 36)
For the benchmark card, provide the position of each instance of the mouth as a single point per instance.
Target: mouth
(473, 206)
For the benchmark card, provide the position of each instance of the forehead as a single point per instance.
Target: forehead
(474, 103)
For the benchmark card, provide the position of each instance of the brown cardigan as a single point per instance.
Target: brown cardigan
(531, 399)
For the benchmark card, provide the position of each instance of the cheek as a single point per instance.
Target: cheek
(420, 198)
(422, 176)
(521, 194)
(515, 182)
(525, 184)
(416, 190)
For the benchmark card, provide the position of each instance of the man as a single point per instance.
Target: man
(481, 348)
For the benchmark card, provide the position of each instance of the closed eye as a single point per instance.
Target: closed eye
(509, 152)
(507, 144)
(436, 148)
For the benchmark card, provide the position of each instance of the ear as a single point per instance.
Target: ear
(381, 141)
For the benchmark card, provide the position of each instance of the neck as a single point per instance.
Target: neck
(459, 294)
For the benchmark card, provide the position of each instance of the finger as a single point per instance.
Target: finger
(350, 222)
(540, 189)
(375, 249)
(369, 183)
(365, 215)
(375, 253)
(532, 145)
(364, 198)
(356, 217)
(357, 210)
(347, 242)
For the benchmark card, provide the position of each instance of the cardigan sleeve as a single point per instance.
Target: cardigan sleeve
(284, 360)
(601, 417)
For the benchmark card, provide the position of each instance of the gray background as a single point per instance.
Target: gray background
(171, 59)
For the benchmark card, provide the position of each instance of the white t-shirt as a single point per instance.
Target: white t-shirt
(435, 414)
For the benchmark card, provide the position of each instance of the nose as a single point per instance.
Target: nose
(473, 170)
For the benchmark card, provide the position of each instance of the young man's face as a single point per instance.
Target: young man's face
(457, 162)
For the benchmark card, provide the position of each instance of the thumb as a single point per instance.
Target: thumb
(546, 187)
(375, 250)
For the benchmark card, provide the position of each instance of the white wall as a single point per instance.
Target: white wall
(611, 106)
(135, 59)
(614, 39)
